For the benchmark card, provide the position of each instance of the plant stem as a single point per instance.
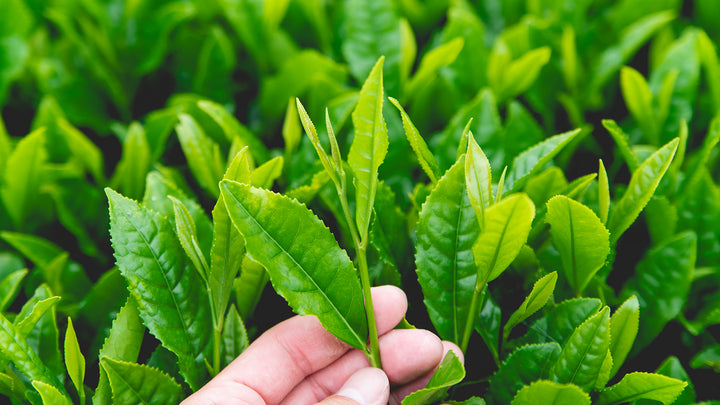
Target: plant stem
(472, 314)
(374, 353)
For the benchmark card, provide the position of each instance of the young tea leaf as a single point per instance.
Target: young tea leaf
(9, 287)
(369, 146)
(603, 194)
(541, 292)
(187, 235)
(639, 100)
(171, 297)
(234, 336)
(507, 225)
(449, 373)
(74, 360)
(306, 265)
(642, 186)
(551, 393)
(478, 179)
(424, 156)
(446, 231)
(201, 152)
(310, 130)
(50, 395)
(580, 237)
(623, 143)
(623, 330)
(443, 55)
(23, 176)
(583, 354)
(635, 386)
(137, 383)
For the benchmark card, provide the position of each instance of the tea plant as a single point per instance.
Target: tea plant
(476, 155)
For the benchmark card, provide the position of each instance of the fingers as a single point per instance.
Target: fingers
(407, 354)
(283, 356)
(367, 386)
(398, 394)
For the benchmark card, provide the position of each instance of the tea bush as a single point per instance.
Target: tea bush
(540, 178)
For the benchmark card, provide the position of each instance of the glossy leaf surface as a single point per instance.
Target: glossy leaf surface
(551, 393)
(138, 383)
(425, 157)
(478, 178)
(636, 386)
(306, 265)
(525, 365)
(446, 232)
(541, 292)
(623, 330)
(449, 373)
(170, 295)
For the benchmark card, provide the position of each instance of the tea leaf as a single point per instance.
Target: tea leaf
(15, 349)
(264, 175)
(662, 283)
(369, 146)
(234, 336)
(201, 152)
(9, 287)
(187, 236)
(424, 156)
(135, 163)
(623, 144)
(525, 365)
(310, 130)
(478, 179)
(636, 386)
(449, 373)
(550, 393)
(584, 352)
(436, 58)
(306, 265)
(249, 286)
(521, 73)
(170, 295)
(83, 149)
(507, 225)
(541, 292)
(603, 194)
(623, 330)
(639, 99)
(25, 323)
(233, 128)
(138, 383)
(50, 395)
(580, 237)
(643, 183)
(535, 159)
(41, 332)
(446, 232)
(23, 176)
(74, 360)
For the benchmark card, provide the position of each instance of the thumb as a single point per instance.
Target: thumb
(368, 386)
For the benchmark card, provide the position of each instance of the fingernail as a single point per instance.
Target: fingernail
(368, 386)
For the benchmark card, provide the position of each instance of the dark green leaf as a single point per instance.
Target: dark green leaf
(306, 265)
(584, 352)
(524, 365)
(23, 176)
(234, 336)
(137, 383)
(171, 299)
(446, 232)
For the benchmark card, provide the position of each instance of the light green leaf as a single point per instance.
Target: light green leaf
(234, 336)
(424, 156)
(369, 146)
(584, 352)
(15, 349)
(603, 194)
(291, 129)
(507, 225)
(523, 366)
(135, 163)
(446, 232)
(50, 395)
(711, 65)
(560, 322)
(521, 73)
(535, 159)
(334, 147)
(233, 128)
(623, 330)
(571, 69)
(201, 152)
(306, 265)
(83, 149)
(249, 286)
(23, 176)
(137, 383)
(436, 58)
(541, 292)
(170, 296)
(25, 324)
(188, 238)
(123, 343)
(264, 175)
(408, 49)
(550, 393)
(310, 130)
(273, 12)
(580, 237)
(604, 373)
(622, 142)
(9, 287)
(636, 386)
(478, 179)
(74, 360)
(449, 373)
(639, 100)
(643, 183)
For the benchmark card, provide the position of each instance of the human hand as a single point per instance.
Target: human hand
(298, 362)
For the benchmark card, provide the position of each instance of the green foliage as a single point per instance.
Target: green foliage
(154, 179)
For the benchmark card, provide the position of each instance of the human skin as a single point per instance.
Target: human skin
(298, 362)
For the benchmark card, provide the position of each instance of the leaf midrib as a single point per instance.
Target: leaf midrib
(282, 248)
